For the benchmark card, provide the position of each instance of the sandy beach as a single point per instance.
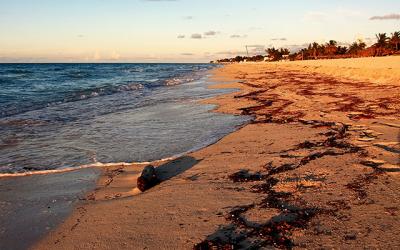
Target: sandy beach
(319, 167)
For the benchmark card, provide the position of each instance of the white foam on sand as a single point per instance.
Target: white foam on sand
(93, 165)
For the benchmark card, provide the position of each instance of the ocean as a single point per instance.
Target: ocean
(57, 116)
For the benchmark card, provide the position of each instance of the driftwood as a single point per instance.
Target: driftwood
(148, 179)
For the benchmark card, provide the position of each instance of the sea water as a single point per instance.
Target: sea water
(56, 116)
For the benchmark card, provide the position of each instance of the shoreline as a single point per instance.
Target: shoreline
(71, 198)
(222, 189)
(39, 203)
(127, 173)
(254, 179)
(112, 164)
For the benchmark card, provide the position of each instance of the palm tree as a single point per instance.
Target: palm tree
(341, 50)
(314, 47)
(274, 54)
(357, 47)
(381, 43)
(382, 40)
(395, 39)
(361, 44)
(332, 43)
(284, 51)
(353, 48)
(331, 47)
(321, 49)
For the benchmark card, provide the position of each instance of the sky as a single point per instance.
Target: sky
(181, 30)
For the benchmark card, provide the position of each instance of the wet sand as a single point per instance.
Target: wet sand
(318, 167)
(31, 206)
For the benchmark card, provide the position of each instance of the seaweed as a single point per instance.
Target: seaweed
(246, 176)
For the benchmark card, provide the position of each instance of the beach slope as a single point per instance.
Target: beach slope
(318, 167)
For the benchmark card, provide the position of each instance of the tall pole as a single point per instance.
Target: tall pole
(247, 51)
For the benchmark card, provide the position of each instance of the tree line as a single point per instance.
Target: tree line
(385, 45)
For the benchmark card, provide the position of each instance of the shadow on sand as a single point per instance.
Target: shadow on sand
(127, 183)
(398, 140)
(175, 167)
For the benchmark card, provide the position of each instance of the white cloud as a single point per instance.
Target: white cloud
(386, 17)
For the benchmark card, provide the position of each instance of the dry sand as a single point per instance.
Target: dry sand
(379, 70)
(318, 167)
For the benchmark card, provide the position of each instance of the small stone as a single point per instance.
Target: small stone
(350, 236)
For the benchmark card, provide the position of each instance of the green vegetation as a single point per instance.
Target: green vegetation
(384, 46)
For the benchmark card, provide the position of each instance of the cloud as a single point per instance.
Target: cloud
(238, 36)
(210, 33)
(80, 36)
(187, 54)
(196, 36)
(386, 17)
(279, 39)
(188, 17)
(181, 36)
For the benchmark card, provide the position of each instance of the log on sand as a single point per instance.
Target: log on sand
(148, 179)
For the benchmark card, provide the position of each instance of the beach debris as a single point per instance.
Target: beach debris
(339, 138)
(393, 147)
(389, 168)
(308, 145)
(294, 213)
(373, 163)
(244, 175)
(393, 125)
(276, 232)
(148, 179)
(360, 184)
(360, 116)
(350, 236)
(391, 210)
(364, 139)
